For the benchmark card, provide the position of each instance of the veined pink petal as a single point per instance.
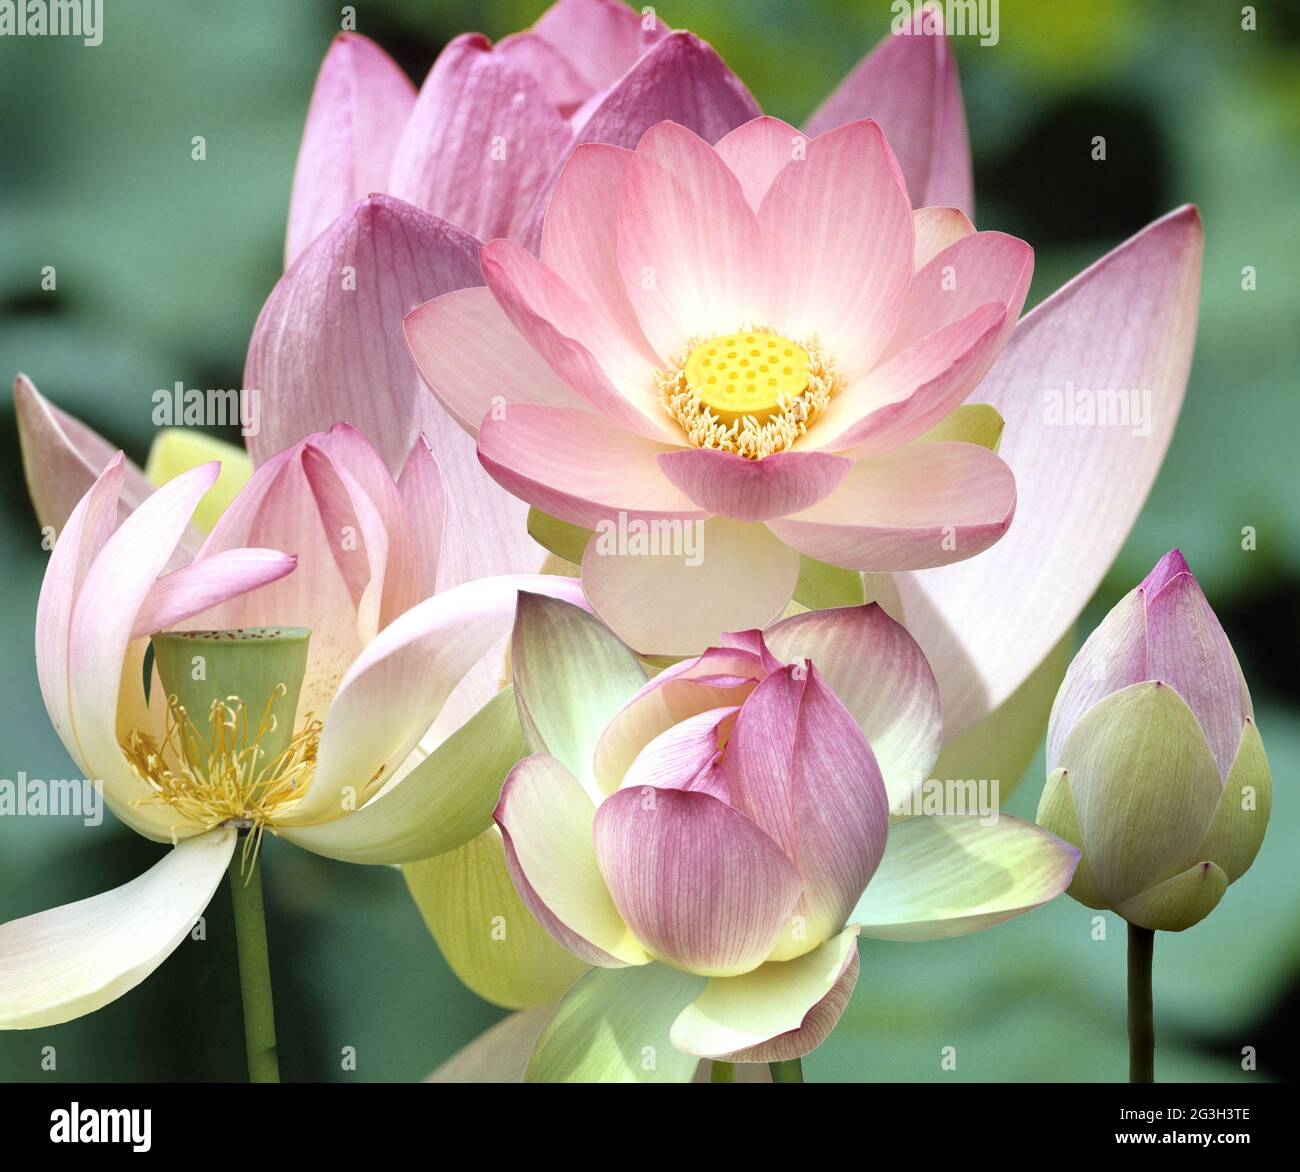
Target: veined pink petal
(986, 626)
(584, 349)
(602, 38)
(580, 235)
(1112, 657)
(680, 757)
(559, 78)
(699, 884)
(928, 504)
(799, 765)
(936, 228)
(907, 394)
(909, 85)
(397, 685)
(579, 466)
(546, 824)
(979, 268)
(689, 246)
(703, 581)
(424, 500)
(481, 141)
(358, 109)
(1163, 572)
(194, 588)
(878, 673)
(473, 359)
(89, 526)
(62, 459)
(329, 346)
(839, 238)
(753, 490)
(753, 642)
(1186, 647)
(757, 151)
(713, 680)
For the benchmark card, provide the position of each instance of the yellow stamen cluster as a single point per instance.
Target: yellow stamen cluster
(222, 777)
(752, 393)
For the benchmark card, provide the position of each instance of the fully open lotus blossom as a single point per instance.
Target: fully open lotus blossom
(291, 692)
(1158, 772)
(715, 839)
(755, 336)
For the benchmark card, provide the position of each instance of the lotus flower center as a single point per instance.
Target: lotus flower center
(751, 393)
(747, 374)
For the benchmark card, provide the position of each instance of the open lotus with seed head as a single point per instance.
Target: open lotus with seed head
(715, 839)
(1158, 773)
(324, 694)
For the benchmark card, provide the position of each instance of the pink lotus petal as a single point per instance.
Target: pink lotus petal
(909, 85)
(324, 351)
(839, 238)
(681, 757)
(698, 883)
(799, 765)
(877, 671)
(561, 80)
(979, 268)
(424, 500)
(194, 588)
(689, 246)
(580, 236)
(584, 349)
(754, 490)
(752, 641)
(358, 109)
(1163, 572)
(579, 467)
(927, 504)
(602, 39)
(481, 142)
(936, 228)
(757, 152)
(986, 625)
(909, 393)
(701, 583)
(474, 360)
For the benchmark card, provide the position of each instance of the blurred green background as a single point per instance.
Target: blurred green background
(163, 263)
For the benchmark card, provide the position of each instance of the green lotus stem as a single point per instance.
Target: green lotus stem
(723, 1072)
(791, 1071)
(1141, 1019)
(254, 970)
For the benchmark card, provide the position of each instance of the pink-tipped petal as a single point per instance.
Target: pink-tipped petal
(546, 824)
(579, 466)
(358, 110)
(799, 765)
(682, 756)
(423, 495)
(909, 85)
(908, 394)
(879, 674)
(601, 38)
(481, 141)
(705, 578)
(194, 588)
(838, 232)
(578, 343)
(689, 246)
(929, 504)
(698, 883)
(937, 228)
(475, 361)
(758, 151)
(559, 78)
(987, 625)
(329, 346)
(754, 490)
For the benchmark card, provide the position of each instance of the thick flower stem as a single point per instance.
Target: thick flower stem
(791, 1071)
(254, 970)
(1141, 1020)
(723, 1072)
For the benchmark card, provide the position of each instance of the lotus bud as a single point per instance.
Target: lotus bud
(1156, 769)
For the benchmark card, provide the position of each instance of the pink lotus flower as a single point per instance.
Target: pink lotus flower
(1157, 769)
(749, 336)
(715, 839)
(342, 705)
